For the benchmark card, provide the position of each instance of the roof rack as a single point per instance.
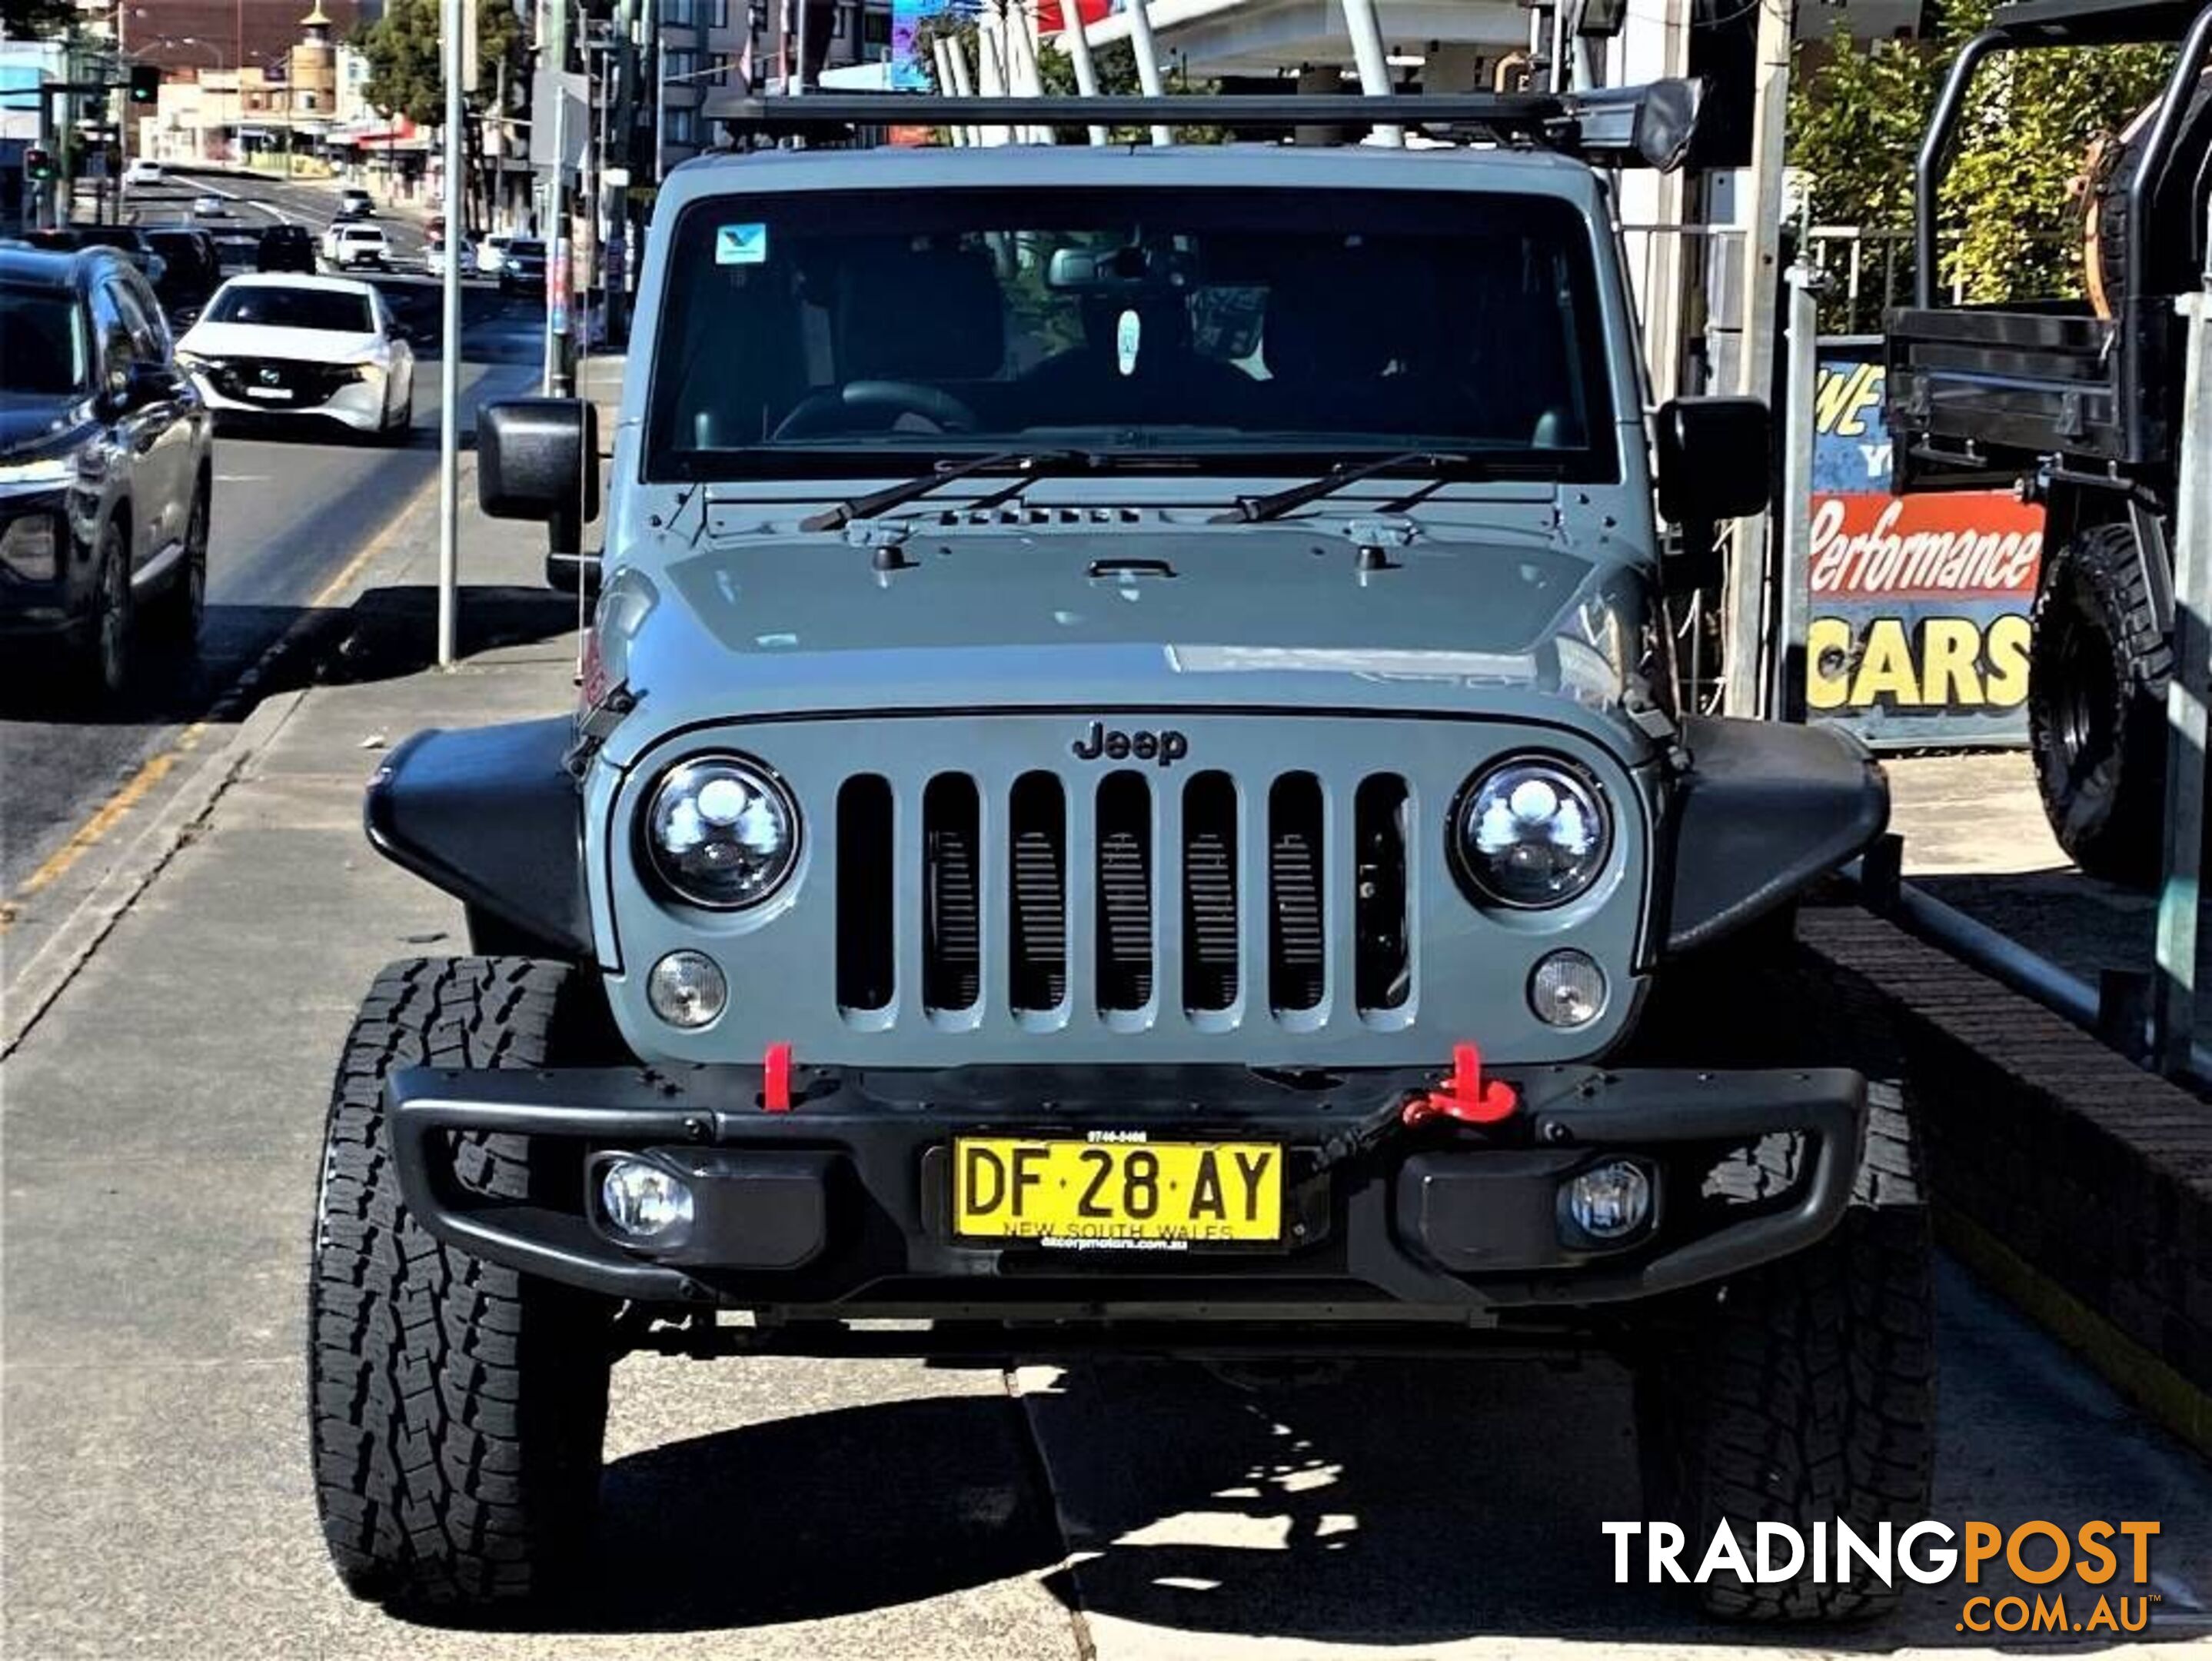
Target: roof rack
(1651, 125)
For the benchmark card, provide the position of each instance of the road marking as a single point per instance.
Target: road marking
(102, 821)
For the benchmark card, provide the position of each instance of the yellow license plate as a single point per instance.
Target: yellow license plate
(1112, 1193)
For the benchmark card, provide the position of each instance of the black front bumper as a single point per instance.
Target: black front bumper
(840, 1205)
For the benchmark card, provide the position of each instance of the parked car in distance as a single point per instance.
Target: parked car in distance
(491, 253)
(434, 257)
(210, 207)
(522, 267)
(324, 346)
(345, 246)
(142, 173)
(192, 270)
(284, 248)
(106, 471)
(354, 202)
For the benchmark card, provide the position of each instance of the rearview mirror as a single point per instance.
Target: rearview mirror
(538, 458)
(1716, 458)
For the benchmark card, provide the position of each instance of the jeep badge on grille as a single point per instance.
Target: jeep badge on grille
(1166, 747)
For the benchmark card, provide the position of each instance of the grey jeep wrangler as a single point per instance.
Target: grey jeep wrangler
(1130, 794)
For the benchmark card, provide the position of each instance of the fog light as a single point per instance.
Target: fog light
(686, 989)
(643, 1201)
(1567, 989)
(1610, 1199)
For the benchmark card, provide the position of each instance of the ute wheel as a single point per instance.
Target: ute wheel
(2096, 705)
(459, 1410)
(1803, 1392)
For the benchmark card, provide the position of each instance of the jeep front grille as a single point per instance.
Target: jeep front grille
(1077, 881)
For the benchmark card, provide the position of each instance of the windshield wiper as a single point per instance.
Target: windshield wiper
(912, 489)
(1251, 509)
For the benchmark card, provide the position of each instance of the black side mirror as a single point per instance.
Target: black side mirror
(142, 383)
(1716, 459)
(538, 458)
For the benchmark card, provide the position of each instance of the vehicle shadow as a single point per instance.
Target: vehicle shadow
(1407, 1504)
(386, 634)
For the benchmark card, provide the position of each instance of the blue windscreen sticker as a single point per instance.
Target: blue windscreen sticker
(741, 245)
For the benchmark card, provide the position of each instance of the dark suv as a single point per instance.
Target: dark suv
(286, 248)
(106, 464)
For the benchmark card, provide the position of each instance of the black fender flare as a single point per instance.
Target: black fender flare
(491, 816)
(1766, 810)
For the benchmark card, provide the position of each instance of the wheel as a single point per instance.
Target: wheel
(174, 619)
(397, 430)
(1803, 1392)
(2097, 667)
(459, 1410)
(104, 653)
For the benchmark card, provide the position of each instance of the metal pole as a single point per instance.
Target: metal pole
(941, 51)
(1148, 61)
(1798, 429)
(2181, 901)
(560, 375)
(1374, 64)
(660, 89)
(963, 83)
(449, 363)
(1077, 39)
(1744, 612)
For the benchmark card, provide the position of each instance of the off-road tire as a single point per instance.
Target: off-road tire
(459, 1410)
(2097, 668)
(1804, 1391)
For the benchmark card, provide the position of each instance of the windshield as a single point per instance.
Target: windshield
(331, 309)
(812, 332)
(42, 343)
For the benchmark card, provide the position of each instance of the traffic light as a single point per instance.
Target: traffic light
(39, 166)
(145, 84)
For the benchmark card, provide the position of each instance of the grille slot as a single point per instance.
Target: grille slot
(1125, 892)
(1037, 912)
(951, 931)
(1209, 892)
(1382, 922)
(866, 915)
(1297, 952)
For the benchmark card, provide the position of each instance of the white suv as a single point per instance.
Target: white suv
(347, 245)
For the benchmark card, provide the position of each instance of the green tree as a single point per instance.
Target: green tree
(405, 51)
(2011, 205)
(406, 56)
(37, 20)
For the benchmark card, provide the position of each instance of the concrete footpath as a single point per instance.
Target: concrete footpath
(161, 1120)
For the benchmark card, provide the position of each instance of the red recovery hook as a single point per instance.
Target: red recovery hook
(1465, 1096)
(775, 1079)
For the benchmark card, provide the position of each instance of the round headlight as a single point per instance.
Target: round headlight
(1532, 832)
(722, 832)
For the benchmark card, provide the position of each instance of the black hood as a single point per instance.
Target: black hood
(31, 425)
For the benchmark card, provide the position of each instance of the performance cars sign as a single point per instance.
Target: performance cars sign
(1918, 616)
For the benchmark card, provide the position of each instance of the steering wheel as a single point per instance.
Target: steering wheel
(822, 412)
